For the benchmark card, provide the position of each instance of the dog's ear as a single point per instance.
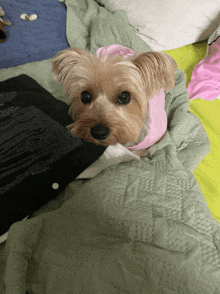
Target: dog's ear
(157, 70)
(64, 62)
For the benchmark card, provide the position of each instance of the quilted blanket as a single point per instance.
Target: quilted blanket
(138, 227)
(141, 226)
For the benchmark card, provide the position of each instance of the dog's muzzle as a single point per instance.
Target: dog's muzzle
(100, 132)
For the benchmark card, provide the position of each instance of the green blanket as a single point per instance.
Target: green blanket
(138, 227)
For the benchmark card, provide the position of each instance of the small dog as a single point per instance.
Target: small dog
(109, 95)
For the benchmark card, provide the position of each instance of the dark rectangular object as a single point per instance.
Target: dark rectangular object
(38, 156)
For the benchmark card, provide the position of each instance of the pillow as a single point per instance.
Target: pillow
(168, 24)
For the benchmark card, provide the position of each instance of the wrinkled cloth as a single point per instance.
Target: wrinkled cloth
(137, 225)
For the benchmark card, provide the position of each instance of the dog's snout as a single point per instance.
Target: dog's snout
(100, 132)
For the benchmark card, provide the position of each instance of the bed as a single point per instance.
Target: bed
(153, 226)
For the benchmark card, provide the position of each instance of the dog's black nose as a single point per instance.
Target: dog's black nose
(99, 132)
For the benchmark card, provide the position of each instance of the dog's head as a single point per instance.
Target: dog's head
(109, 94)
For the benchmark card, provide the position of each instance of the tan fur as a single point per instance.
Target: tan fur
(143, 75)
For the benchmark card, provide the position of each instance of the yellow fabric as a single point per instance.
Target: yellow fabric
(188, 56)
(207, 172)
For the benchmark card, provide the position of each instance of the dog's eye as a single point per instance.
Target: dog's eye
(124, 98)
(85, 97)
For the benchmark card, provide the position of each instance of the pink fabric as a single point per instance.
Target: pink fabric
(205, 80)
(158, 122)
(157, 114)
(115, 49)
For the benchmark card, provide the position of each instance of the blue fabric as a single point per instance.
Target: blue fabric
(29, 41)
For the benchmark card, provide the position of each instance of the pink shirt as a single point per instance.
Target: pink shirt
(157, 115)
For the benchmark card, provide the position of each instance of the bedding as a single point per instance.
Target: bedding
(205, 80)
(29, 41)
(208, 170)
(120, 232)
(203, 59)
(137, 225)
(204, 96)
(168, 24)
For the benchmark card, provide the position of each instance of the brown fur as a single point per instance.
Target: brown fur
(143, 75)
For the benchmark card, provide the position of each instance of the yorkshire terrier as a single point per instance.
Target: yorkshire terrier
(110, 94)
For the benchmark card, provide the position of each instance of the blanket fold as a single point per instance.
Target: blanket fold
(88, 24)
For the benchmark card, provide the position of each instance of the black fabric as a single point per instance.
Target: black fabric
(2, 35)
(38, 156)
